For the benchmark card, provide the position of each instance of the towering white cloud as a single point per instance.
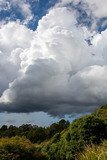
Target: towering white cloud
(52, 69)
(14, 38)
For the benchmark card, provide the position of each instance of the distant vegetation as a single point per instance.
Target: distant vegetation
(84, 139)
(34, 133)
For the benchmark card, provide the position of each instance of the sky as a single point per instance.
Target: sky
(53, 59)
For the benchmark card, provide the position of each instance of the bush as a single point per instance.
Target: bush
(88, 129)
(83, 131)
(17, 148)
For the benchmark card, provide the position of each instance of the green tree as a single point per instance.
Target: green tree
(88, 129)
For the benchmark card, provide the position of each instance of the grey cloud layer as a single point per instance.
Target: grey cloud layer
(52, 69)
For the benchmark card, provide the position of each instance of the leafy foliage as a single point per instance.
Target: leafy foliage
(101, 113)
(83, 131)
(18, 148)
(34, 133)
(88, 129)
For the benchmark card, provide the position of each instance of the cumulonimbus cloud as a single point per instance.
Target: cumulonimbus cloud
(52, 69)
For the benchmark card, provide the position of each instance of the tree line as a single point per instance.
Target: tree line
(32, 132)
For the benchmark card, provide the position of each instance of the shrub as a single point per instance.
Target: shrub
(17, 148)
(88, 129)
(83, 131)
